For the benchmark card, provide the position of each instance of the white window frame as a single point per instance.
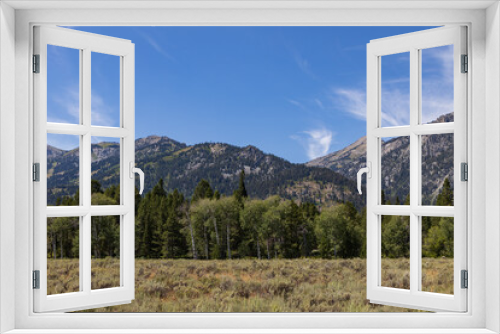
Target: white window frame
(413, 44)
(86, 44)
(482, 19)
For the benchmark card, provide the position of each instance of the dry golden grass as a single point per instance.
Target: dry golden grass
(300, 285)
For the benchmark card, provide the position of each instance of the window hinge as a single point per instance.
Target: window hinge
(465, 64)
(36, 63)
(464, 172)
(465, 279)
(36, 172)
(36, 279)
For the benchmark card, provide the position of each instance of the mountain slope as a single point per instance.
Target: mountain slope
(182, 167)
(437, 163)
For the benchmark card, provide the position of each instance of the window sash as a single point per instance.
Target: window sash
(413, 43)
(86, 298)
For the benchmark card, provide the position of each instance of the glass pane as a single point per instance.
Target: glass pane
(105, 90)
(395, 95)
(437, 254)
(437, 169)
(63, 85)
(395, 248)
(105, 171)
(437, 84)
(105, 252)
(63, 169)
(63, 253)
(395, 171)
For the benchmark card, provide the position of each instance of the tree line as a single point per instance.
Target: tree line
(211, 226)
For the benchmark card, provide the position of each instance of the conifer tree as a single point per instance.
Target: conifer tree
(241, 192)
(445, 198)
(202, 190)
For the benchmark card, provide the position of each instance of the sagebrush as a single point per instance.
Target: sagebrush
(251, 285)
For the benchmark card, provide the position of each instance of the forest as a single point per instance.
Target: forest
(211, 226)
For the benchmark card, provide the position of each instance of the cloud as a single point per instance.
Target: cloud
(437, 82)
(319, 103)
(102, 114)
(69, 107)
(316, 142)
(303, 64)
(68, 110)
(352, 101)
(443, 56)
(437, 92)
(63, 142)
(154, 44)
(296, 103)
(395, 105)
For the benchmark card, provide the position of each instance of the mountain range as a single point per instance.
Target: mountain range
(437, 163)
(182, 167)
(323, 181)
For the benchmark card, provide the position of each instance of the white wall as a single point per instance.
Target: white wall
(7, 160)
(492, 149)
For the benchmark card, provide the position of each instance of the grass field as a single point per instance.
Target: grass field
(300, 285)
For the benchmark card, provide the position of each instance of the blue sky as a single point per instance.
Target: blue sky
(296, 92)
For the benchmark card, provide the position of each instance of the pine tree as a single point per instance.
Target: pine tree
(202, 190)
(445, 198)
(241, 192)
(95, 187)
(216, 195)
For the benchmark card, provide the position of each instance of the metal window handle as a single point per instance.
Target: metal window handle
(368, 171)
(134, 170)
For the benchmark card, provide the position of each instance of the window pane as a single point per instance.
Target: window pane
(63, 170)
(105, 171)
(395, 251)
(437, 84)
(437, 254)
(105, 252)
(105, 90)
(437, 169)
(63, 85)
(395, 94)
(395, 171)
(63, 253)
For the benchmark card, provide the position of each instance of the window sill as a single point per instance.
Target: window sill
(251, 331)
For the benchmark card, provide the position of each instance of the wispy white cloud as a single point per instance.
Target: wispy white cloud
(155, 45)
(316, 142)
(437, 93)
(63, 142)
(69, 107)
(303, 64)
(395, 107)
(352, 101)
(396, 81)
(319, 103)
(103, 114)
(437, 82)
(296, 103)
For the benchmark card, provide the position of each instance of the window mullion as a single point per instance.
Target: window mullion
(395, 131)
(422, 211)
(85, 176)
(414, 171)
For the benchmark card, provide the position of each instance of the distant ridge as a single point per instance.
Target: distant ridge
(437, 156)
(182, 167)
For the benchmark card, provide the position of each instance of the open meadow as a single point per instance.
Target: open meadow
(248, 285)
